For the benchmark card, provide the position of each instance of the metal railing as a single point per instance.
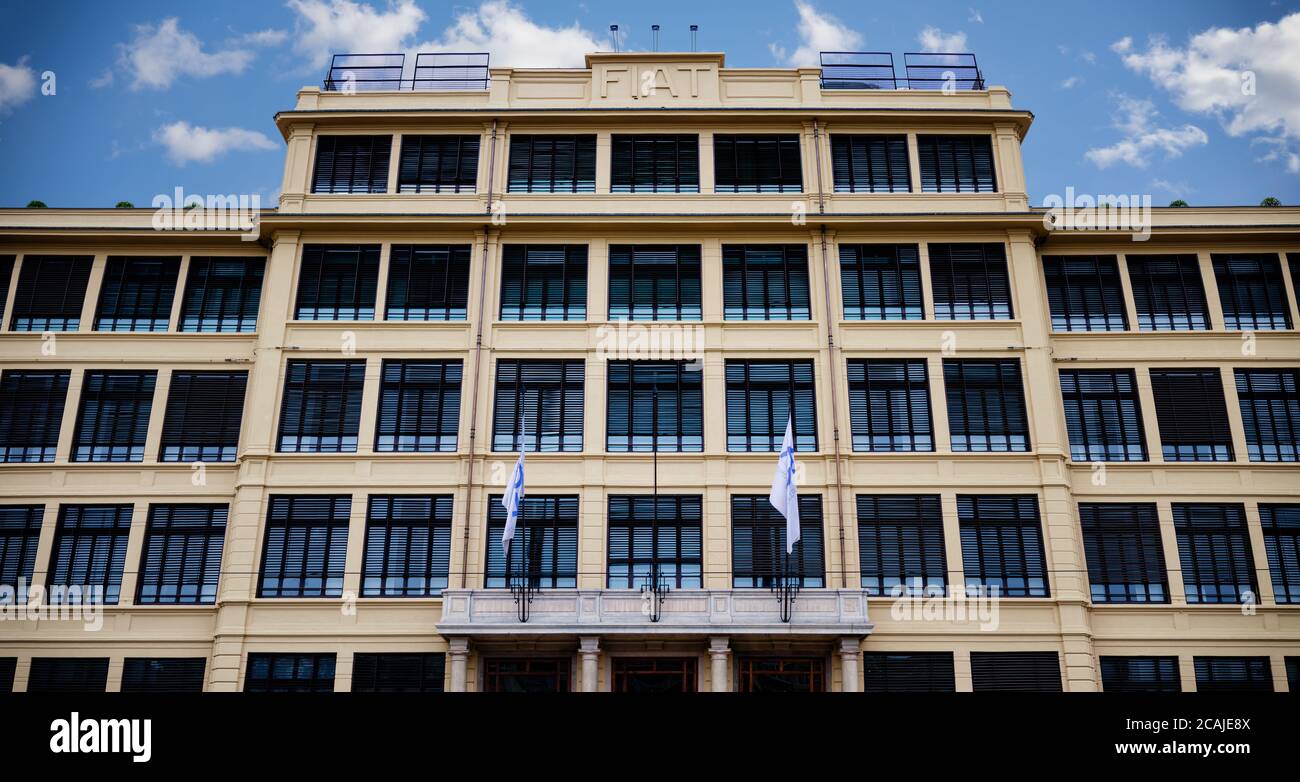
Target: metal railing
(923, 71)
(858, 71)
(386, 72)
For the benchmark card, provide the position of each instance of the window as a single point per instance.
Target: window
(654, 282)
(956, 164)
(1270, 413)
(900, 545)
(222, 294)
(545, 546)
(970, 282)
(306, 546)
(1167, 292)
(889, 405)
(1214, 549)
(655, 406)
(181, 563)
(552, 164)
(653, 536)
(544, 282)
(1233, 674)
(51, 289)
(1103, 415)
(337, 282)
(20, 533)
(1281, 525)
(438, 164)
(870, 164)
(419, 406)
(908, 672)
(289, 673)
(427, 282)
(68, 674)
(781, 674)
(398, 672)
(762, 396)
(204, 413)
(1015, 671)
(538, 406)
(137, 294)
(6, 273)
(986, 405)
(1084, 293)
(655, 164)
(1002, 545)
(351, 164)
(1192, 416)
(1251, 291)
(31, 413)
(1140, 674)
(1126, 560)
(1292, 674)
(881, 282)
(89, 554)
(765, 282)
(8, 665)
(408, 546)
(321, 410)
(654, 674)
(525, 674)
(757, 164)
(163, 674)
(758, 558)
(114, 417)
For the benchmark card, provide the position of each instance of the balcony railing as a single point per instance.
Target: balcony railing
(924, 71)
(387, 72)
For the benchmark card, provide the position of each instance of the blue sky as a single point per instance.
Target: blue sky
(1193, 100)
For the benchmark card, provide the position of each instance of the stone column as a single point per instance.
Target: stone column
(459, 653)
(718, 651)
(589, 647)
(849, 647)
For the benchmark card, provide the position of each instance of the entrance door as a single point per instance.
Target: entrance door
(525, 674)
(782, 674)
(654, 674)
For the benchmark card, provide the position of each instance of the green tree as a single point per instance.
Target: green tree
(125, 205)
(36, 205)
(1178, 202)
(1270, 201)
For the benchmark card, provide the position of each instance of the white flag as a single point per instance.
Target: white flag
(514, 497)
(785, 495)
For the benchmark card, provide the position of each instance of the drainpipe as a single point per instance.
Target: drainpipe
(817, 153)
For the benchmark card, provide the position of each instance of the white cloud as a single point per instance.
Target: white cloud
(1089, 57)
(511, 38)
(1136, 118)
(159, 55)
(326, 27)
(264, 38)
(103, 80)
(975, 16)
(932, 39)
(1123, 45)
(186, 143)
(17, 84)
(818, 32)
(1071, 83)
(1278, 152)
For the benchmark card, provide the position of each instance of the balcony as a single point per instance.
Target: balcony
(443, 71)
(944, 71)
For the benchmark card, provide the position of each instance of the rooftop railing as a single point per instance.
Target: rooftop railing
(923, 71)
(387, 72)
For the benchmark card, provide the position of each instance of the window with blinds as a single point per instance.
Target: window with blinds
(204, 413)
(8, 666)
(137, 293)
(337, 282)
(1126, 560)
(757, 163)
(1084, 293)
(1140, 674)
(181, 563)
(908, 672)
(89, 554)
(544, 282)
(51, 289)
(538, 405)
(1270, 413)
(1251, 291)
(758, 558)
(655, 536)
(419, 406)
(306, 546)
(881, 282)
(1292, 674)
(889, 405)
(765, 282)
(1103, 415)
(31, 413)
(1015, 671)
(970, 282)
(1214, 550)
(351, 164)
(222, 294)
(900, 545)
(1002, 545)
(544, 549)
(427, 282)
(398, 672)
(438, 164)
(956, 164)
(762, 396)
(1281, 524)
(20, 533)
(286, 672)
(870, 164)
(986, 405)
(654, 406)
(661, 163)
(408, 546)
(6, 274)
(1233, 674)
(163, 674)
(321, 409)
(654, 282)
(552, 164)
(114, 418)
(1168, 293)
(68, 674)
(1192, 415)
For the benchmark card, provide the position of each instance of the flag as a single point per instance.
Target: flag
(785, 495)
(513, 499)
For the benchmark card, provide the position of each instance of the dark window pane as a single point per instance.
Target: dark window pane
(654, 405)
(1270, 412)
(289, 673)
(305, 549)
(956, 164)
(351, 164)
(1140, 674)
(552, 164)
(438, 164)
(68, 674)
(765, 282)
(1251, 291)
(970, 282)
(1015, 671)
(204, 414)
(758, 556)
(1103, 415)
(538, 406)
(89, 554)
(525, 674)
(222, 294)
(655, 536)
(986, 405)
(757, 164)
(163, 674)
(544, 551)
(1126, 560)
(408, 546)
(900, 545)
(114, 418)
(337, 282)
(398, 672)
(1214, 549)
(1192, 415)
(1168, 293)
(761, 398)
(50, 292)
(908, 672)
(1002, 545)
(544, 282)
(1233, 674)
(889, 405)
(20, 533)
(870, 164)
(781, 674)
(31, 413)
(654, 282)
(137, 294)
(654, 164)
(881, 282)
(1281, 525)
(419, 406)
(181, 562)
(427, 282)
(1084, 293)
(321, 409)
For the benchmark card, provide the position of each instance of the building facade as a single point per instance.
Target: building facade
(1030, 456)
